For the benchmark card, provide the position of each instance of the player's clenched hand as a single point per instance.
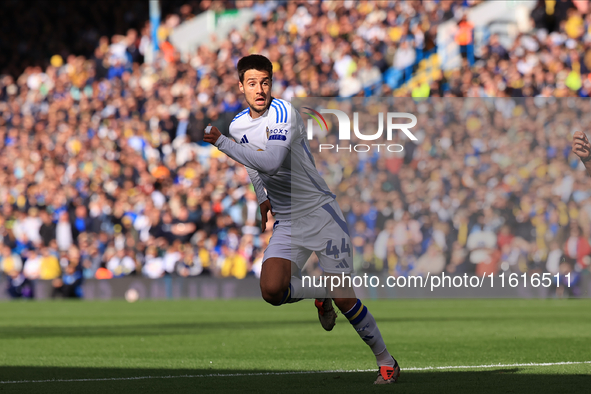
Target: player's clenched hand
(581, 146)
(213, 135)
(265, 208)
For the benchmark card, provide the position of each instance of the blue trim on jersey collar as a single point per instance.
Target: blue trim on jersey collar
(245, 111)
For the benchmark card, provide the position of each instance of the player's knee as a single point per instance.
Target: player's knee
(272, 294)
(272, 298)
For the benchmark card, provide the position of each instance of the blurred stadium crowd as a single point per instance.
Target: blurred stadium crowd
(104, 173)
(491, 185)
(552, 60)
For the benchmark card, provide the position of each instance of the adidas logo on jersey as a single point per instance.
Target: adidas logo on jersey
(343, 264)
(244, 140)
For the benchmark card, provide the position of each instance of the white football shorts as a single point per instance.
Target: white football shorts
(324, 231)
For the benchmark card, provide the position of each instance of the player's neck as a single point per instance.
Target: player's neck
(254, 114)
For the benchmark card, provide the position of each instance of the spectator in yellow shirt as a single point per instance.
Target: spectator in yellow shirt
(9, 261)
(50, 266)
(234, 264)
(575, 26)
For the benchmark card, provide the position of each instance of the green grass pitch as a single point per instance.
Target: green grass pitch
(107, 341)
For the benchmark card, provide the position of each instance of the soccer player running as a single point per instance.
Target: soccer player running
(271, 144)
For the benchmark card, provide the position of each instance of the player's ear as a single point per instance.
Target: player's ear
(241, 87)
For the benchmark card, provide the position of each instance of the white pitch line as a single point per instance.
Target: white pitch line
(224, 375)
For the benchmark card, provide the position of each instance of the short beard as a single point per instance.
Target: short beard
(260, 112)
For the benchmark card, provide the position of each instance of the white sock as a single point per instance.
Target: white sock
(384, 358)
(296, 292)
(365, 325)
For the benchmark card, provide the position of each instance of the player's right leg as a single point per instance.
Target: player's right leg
(335, 258)
(365, 325)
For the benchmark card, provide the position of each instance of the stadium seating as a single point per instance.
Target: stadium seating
(104, 165)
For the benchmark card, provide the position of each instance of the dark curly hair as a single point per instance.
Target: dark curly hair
(254, 62)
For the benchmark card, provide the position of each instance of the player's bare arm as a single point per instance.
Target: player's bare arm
(212, 135)
(265, 209)
(582, 148)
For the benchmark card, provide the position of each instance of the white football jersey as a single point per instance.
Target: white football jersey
(297, 188)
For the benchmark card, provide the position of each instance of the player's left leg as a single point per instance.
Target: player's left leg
(279, 286)
(283, 259)
(364, 323)
(274, 282)
(280, 280)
